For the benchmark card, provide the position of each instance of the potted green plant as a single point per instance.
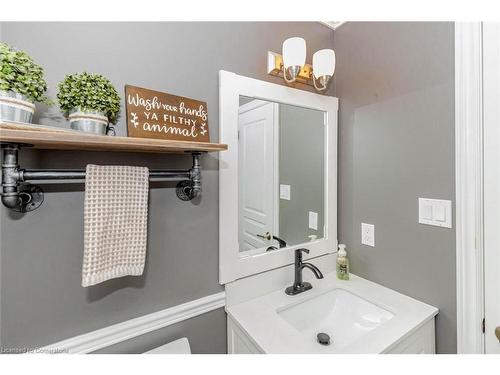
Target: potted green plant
(89, 101)
(21, 85)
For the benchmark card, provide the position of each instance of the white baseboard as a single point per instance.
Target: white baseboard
(102, 338)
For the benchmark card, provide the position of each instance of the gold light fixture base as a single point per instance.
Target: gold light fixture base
(275, 68)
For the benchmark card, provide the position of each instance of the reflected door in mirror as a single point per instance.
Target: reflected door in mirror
(258, 214)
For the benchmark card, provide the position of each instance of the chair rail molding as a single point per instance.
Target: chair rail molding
(469, 186)
(102, 338)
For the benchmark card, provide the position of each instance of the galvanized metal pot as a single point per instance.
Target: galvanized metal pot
(15, 107)
(89, 121)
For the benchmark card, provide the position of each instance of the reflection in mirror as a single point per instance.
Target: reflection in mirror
(281, 175)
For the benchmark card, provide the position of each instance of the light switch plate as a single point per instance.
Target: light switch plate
(435, 212)
(368, 234)
(285, 192)
(313, 220)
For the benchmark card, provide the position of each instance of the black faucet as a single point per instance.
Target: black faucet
(300, 286)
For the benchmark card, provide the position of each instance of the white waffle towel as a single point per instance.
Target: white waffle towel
(115, 222)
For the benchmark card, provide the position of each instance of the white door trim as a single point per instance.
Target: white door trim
(469, 186)
(102, 338)
(491, 191)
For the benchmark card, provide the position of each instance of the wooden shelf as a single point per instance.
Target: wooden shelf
(45, 137)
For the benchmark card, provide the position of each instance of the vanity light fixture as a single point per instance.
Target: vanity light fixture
(293, 68)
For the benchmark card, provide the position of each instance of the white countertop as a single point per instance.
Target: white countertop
(259, 319)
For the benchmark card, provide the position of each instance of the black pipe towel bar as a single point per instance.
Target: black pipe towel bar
(18, 195)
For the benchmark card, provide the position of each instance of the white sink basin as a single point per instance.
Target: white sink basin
(344, 316)
(358, 315)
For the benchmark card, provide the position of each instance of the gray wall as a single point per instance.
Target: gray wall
(395, 82)
(203, 333)
(41, 252)
(301, 165)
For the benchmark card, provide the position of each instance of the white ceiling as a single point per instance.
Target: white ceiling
(333, 24)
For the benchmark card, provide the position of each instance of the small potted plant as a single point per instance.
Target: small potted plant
(21, 85)
(89, 101)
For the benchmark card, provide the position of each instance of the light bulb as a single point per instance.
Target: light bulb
(294, 52)
(324, 63)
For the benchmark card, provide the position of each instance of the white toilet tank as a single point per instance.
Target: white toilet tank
(180, 346)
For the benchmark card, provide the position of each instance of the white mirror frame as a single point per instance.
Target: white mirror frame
(232, 265)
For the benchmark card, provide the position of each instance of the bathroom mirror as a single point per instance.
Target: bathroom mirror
(278, 179)
(280, 175)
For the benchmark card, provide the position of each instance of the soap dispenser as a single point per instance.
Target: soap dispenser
(342, 263)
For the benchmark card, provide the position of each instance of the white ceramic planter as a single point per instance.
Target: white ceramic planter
(15, 107)
(89, 122)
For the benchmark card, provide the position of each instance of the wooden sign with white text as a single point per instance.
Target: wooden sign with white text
(154, 114)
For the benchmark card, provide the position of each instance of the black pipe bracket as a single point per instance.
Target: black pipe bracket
(21, 196)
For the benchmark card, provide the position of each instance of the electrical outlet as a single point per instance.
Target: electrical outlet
(368, 234)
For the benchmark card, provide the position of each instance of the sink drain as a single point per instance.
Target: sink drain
(323, 338)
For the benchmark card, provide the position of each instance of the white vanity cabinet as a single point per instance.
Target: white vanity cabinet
(422, 341)
(358, 316)
(238, 342)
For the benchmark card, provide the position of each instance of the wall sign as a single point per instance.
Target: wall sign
(153, 114)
